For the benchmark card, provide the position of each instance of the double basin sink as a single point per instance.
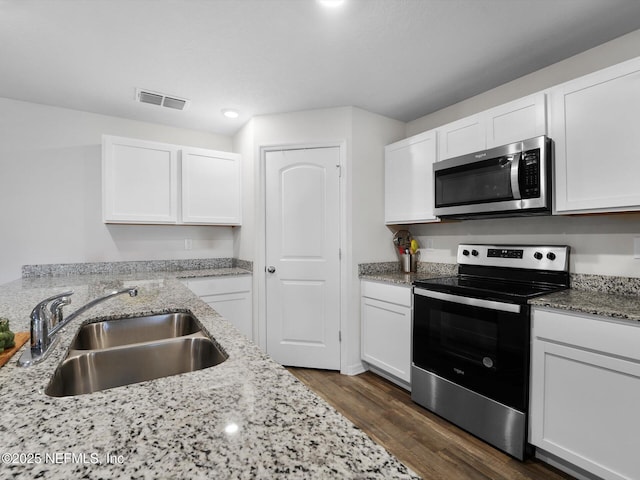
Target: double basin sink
(117, 352)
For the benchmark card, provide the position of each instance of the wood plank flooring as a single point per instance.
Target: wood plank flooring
(431, 446)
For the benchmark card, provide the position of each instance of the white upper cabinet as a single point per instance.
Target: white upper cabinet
(139, 181)
(512, 122)
(408, 177)
(515, 121)
(460, 137)
(156, 183)
(594, 123)
(211, 187)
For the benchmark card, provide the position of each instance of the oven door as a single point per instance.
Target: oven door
(482, 345)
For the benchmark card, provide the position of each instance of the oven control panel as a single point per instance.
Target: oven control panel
(505, 252)
(538, 257)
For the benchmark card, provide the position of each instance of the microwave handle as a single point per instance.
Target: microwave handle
(515, 169)
(470, 301)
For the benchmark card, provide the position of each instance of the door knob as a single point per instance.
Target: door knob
(271, 269)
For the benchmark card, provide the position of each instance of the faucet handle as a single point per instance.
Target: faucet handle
(55, 309)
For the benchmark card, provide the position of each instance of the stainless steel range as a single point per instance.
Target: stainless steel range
(471, 338)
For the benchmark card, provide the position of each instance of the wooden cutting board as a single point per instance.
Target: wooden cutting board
(20, 339)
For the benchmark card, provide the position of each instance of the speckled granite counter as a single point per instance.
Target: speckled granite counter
(622, 307)
(173, 427)
(389, 272)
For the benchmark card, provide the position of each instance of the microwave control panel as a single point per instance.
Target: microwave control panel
(530, 174)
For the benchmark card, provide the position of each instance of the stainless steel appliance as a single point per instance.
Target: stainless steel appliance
(511, 180)
(471, 338)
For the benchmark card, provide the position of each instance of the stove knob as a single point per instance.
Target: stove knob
(551, 256)
(465, 252)
(474, 253)
(538, 256)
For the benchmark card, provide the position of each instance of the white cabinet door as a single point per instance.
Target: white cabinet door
(230, 296)
(594, 123)
(408, 174)
(584, 392)
(386, 329)
(141, 184)
(235, 307)
(463, 136)
(211, 187)
(512, 122)
(516, 121)
(139, 181)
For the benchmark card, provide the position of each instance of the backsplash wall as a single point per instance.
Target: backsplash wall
(600, 244)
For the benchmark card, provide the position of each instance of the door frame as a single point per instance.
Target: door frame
(260, 245)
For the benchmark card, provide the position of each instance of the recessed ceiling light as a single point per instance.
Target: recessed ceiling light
(331, 3)
(230, 113)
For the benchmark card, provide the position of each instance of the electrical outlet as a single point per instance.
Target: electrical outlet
(636, 247)
(428, 244)
(188, 244)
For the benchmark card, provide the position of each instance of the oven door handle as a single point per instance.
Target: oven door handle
(473, 302)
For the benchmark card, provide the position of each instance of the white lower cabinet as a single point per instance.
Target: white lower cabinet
(386, 330)
(585, 388)
(230, 296)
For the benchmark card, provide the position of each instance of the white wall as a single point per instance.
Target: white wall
(602, 244)
(605, 55)
(50, 191)
(369, 236)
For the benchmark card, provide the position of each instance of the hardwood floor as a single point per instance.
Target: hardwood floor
(431, 446)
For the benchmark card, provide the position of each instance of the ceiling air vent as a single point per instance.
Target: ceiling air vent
(155, 98)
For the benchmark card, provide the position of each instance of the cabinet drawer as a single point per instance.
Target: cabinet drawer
(400, 295)
(219, 285)
(589, 332)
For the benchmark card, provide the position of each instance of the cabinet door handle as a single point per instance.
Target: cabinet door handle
(271, 269)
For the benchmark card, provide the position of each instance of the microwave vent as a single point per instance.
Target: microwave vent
(161, 99)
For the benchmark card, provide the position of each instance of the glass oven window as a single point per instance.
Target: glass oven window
(484, 350)
(472, 340)
(480, 182)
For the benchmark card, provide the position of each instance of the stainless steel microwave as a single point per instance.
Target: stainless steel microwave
(511, 180)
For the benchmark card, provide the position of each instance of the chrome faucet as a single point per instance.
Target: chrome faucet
(47, 320)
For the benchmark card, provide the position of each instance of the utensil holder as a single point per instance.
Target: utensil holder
(405, 262)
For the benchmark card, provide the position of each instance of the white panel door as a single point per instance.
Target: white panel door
(302, 257)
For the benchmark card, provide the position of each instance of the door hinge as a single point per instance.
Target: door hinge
(339, 335)
(339, 167)
(339, 254)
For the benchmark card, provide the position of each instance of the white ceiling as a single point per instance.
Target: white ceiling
(399, 58)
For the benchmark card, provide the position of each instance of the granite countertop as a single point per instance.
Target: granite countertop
(622, 307)
(388, 272)
(172, 427)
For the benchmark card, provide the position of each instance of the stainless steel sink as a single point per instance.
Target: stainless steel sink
(125, 331)
(119, 352)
